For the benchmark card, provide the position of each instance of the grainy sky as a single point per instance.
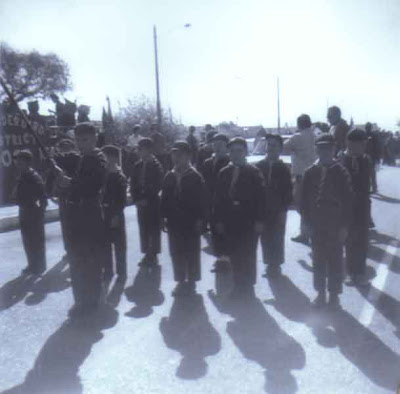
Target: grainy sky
(223, 67)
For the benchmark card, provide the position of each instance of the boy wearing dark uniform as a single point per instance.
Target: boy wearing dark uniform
(68, 160)
(183, 207)
(239, 212)
(206, 150)
(114, 202)
(146, 182)
(210, 170)
(278, 183)
(87, 231)
(326, 206)
(32, 202)
(358, 165)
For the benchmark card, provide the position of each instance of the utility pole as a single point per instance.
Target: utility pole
(279, 107)
(159, 119)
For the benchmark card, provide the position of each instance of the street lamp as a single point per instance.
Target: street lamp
(159, 114)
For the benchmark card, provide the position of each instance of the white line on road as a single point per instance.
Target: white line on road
(378, 283)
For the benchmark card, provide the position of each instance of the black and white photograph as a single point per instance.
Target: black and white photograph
(199, 197)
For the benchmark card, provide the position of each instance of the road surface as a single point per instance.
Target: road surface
(148, 342)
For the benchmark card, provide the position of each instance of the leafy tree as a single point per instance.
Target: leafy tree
(141, 110)
(32, 75)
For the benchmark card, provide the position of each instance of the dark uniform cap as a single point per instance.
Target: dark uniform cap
(146, 143)
(220, 137)
(24, 154)
(137, 127)
(181, 146)
(85, 128)
(111, 150)
(238, 141)
(210, 135)
(275, 137)
(357, 135)
(325, 139)
(66, 143)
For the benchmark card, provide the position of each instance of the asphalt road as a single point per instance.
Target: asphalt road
(148, 342)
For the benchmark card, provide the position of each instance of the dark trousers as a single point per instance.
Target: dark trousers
(184, 247)
(33, 237)
(64, 222)
(357, 249)
(327, 254)
(218, 242)
(87, 253)
(242, 250)
(115, 242)
(273, 239)
(149, 228)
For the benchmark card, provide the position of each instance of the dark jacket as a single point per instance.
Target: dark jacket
(114, 197)
(90, 177)
(278, 185)
(185, 203)
(29, 191)
(242, 205)
(147, 185)
(205, 152)
(360, 170)
(327, 198)
(210, 170)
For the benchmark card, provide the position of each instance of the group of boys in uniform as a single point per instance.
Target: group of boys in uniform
(237, 202)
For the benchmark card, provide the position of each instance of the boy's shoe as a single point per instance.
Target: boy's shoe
(191, 287)
(180, 290)
(27, 271)
(121, 278)
(152, 260)
(144, 261)
(302, 239)
(220, 265)
(272, 271)
(334, 302)
(320, 301)
(361, 280)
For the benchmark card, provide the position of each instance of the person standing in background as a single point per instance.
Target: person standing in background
(301, 147)
(31, 200)
(279, 196)
(210, 170)
(339, 128)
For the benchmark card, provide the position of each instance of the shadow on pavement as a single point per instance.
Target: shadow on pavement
(385, 304)
(360, 346)
(145, 292)
(259, 338)
(381, 197)
(56, 279)
(189, 331)
(15, 291)
(379, 254)
(56, 369)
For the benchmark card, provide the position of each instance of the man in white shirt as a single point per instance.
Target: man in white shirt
(135, 137)
(301, 147)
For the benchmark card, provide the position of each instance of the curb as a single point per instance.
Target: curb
(12, 222)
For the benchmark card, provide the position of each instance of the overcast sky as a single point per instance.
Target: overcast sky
(223, 67)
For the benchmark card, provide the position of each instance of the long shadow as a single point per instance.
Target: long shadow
(385, 304)
(56, 369)
(189, 331)
(15, 291)
(378, 252)
(340, 329)
(259, 338)
(381, 197)
(54, 280)
(145, 292)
